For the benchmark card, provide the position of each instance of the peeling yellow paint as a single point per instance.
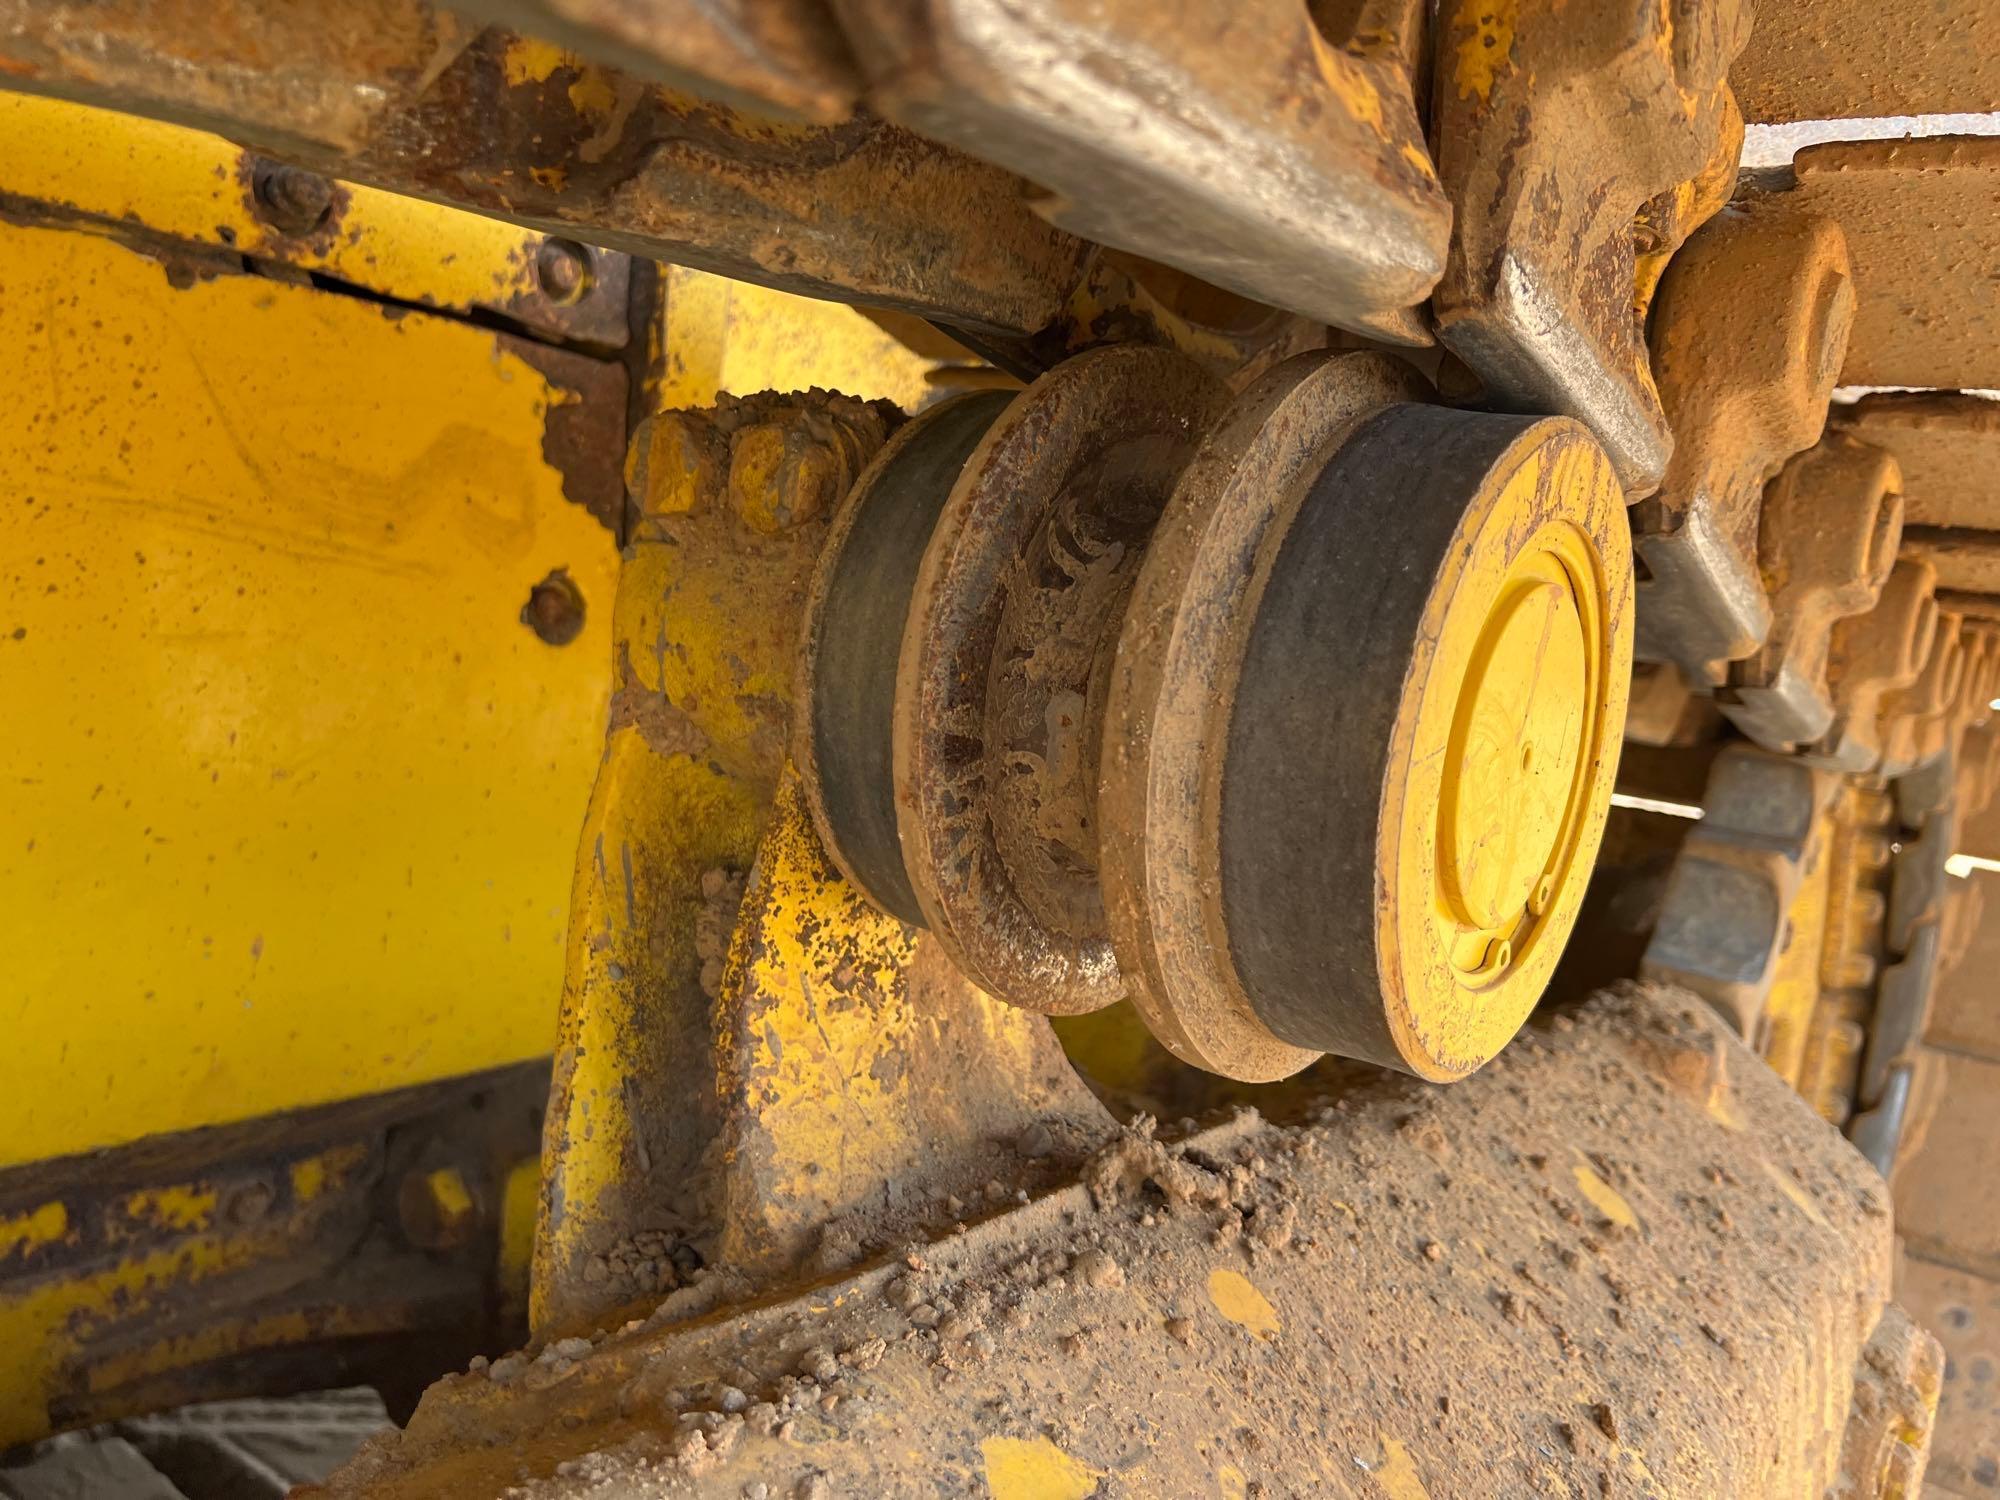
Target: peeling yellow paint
(308, 1179)
(592, 95)
(123, 171)
(1605, 1198)
(1034, 1469)
(1348, 81)
(1397, 1474)
(1238, 1300)
(1487, 50)
(529, 61)
(174, 1208)
(40, 1226)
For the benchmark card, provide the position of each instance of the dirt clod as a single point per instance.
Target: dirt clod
(1097, 1268)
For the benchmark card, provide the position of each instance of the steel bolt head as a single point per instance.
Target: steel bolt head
(563, 269)
(554, 610)
(290, 199)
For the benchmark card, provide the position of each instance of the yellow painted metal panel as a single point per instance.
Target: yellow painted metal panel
(186, 184)
(292, 796)
(730, 336)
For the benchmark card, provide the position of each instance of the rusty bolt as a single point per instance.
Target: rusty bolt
(781, 476)
(247, 1204)
(564, 271)
(554, 610)
(290, 199)
(437, 1209)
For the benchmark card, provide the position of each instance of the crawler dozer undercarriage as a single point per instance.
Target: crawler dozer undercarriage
(825, 747)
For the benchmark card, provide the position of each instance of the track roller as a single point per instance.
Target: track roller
(1293, 720)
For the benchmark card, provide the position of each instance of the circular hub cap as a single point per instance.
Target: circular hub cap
(1423, 737)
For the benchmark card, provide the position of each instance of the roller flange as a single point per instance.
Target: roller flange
(1293, 720)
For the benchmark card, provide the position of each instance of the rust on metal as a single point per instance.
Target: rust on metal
(1128, 299)
(325, 78)
(1628, 1193)
(1948, 446)
(1922, 219)
(1235, 141)
(860, 210)
(582, 437)
(1555, 129)
(1861, 59)
(1874, 655)
(266, 1257)
(999, 711)
(1827, 538)
(1741, 406)
(785, 58)
(729, 506)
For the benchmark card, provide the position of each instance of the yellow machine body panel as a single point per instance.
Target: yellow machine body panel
(292, 793)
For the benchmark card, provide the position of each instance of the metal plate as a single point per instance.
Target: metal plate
(1947, 1198)
(1948, 445)
(1922, 219)
(1965, 560)
(267, 552)
(1854, 59)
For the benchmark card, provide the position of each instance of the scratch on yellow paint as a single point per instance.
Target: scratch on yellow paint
(1487, 50)
(530, 61)
(41, 1226)
(1034, 1469)
(1798, 1195)
(1397, 1474)
(1605, 1198)
(1239, 1301)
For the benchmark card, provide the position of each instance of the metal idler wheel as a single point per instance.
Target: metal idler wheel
(1005, 665)
(1178, 653)
(855, 614)
(1423, 716)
